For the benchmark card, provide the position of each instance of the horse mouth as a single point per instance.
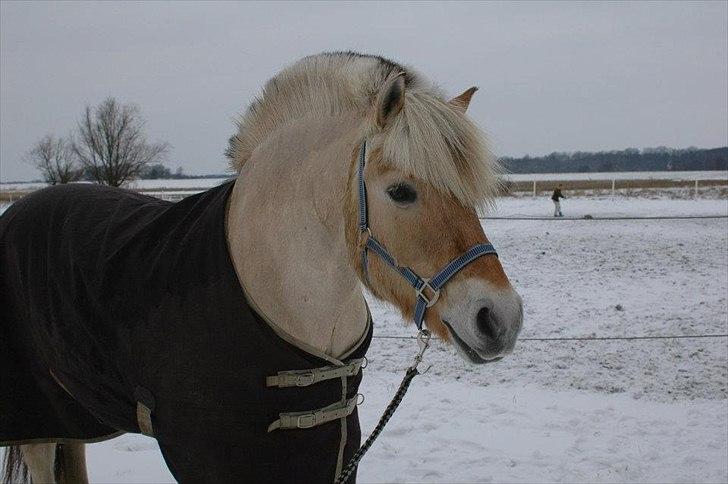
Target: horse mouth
(472, 355)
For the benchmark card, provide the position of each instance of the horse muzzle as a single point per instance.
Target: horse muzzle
(484, 328)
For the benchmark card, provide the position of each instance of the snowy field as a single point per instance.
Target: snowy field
(557, 411)
(651, 410)
(161, 184)
(606, 206)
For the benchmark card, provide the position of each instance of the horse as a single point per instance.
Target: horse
(232, 325)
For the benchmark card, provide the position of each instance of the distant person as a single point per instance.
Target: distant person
(557, 204)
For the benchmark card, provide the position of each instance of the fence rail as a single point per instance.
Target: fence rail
(589, 338)
(536, 187)
(656, 217)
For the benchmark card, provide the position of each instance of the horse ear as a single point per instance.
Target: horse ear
(462, 101)
(390, 100)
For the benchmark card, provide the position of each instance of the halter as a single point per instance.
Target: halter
(427, 290)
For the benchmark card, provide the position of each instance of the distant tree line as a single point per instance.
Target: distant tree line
(630, 159)
(158, 170)
(109, 146)
(154, 171)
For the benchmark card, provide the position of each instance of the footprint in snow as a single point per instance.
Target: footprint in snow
(403, 430)
(431, 475)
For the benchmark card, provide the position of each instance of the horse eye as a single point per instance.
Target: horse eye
(402, 193)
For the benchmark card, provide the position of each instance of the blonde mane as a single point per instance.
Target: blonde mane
(430, 139)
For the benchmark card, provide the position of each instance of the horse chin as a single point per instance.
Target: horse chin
(466, 350)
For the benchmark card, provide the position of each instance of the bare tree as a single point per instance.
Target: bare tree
(111, 144)
(55, 159)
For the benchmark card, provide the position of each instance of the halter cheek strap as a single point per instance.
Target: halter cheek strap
(427, 291)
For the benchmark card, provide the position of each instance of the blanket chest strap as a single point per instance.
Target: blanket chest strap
(304, 378)
(306, 420)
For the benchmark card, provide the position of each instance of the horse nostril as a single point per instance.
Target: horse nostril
(486, 323)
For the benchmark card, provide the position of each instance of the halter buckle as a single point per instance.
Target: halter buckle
(429, 300)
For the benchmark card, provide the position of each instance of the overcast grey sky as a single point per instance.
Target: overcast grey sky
(553, 76)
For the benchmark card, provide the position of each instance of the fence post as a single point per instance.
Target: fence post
(534, 188)
(613, 183)
(696, 188)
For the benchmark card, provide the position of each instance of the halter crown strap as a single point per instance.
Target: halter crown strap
(363, 215)
(427, 290)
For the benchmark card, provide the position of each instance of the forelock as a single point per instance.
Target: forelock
(434, 142)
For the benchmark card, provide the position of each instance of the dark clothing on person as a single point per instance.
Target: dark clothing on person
(113, 302)
(557, 194)
(557, 204)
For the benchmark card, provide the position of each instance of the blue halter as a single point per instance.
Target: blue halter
(422, 286)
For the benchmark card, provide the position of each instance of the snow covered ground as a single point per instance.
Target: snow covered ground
(605, 206)
(557, 411)
(451, 431)
(153, 184)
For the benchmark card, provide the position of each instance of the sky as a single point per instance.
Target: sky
(553, 76)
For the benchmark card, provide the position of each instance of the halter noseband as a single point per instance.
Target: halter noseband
(421, 285)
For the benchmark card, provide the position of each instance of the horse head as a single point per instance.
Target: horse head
(421, 177)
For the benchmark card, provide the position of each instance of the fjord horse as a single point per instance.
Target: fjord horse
(291, 229)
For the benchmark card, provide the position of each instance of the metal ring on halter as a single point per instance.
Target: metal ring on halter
(421, 293)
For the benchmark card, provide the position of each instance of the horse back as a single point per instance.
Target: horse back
(49, 251)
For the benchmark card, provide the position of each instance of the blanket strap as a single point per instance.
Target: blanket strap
(145, 406)
(304, 378)
(312, 418)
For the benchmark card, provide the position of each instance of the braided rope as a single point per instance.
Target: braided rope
(396, 400)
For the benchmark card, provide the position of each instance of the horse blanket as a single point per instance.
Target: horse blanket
(122, 312)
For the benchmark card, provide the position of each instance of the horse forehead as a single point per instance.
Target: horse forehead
(383, 170)
(380, 168)
(447, 210)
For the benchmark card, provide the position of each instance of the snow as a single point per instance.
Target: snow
(185, 183)
(153, 184)
(605, 206)
(450, 431)
(557, 411)
(527, 434)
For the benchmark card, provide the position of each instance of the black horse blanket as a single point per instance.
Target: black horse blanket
(122, 312)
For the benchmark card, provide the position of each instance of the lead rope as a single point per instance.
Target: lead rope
(423, 339)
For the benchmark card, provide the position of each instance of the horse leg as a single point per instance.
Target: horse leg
(40, 459)
(14, 469)
(71, 464)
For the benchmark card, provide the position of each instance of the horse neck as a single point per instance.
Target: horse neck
(285, 229)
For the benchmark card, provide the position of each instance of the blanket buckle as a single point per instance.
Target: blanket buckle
(305, 379)
(306, 421)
